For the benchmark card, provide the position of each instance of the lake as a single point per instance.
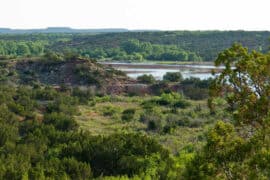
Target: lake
(134, 70)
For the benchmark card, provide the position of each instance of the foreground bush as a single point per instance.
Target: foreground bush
(238, 149)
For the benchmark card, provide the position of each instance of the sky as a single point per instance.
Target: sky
(137, 14)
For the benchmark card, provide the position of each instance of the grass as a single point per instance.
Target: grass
(94, 120)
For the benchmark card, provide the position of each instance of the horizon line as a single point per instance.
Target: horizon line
(126, 29)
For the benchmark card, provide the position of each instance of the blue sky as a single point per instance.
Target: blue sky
(137, 14)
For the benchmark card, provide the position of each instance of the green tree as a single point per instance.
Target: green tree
(238, 149)
(23, 49)
(131, 46)
(244, 83)
(193, 57)
(173, 77)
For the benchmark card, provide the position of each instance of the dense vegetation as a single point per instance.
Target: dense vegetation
(40, 139)
(238, 149)
(137, 46)
(46, 133)
(56, 122)
(23, 48)
(43, 134)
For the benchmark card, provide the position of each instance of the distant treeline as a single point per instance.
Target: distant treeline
(22, 48)
(136, 50)
(137, 46)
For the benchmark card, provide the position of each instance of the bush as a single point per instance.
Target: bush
(84, 95)
(154, 120)
(173, 77)
(128, 114)
(67, 106)
(87, 75)
(174, 100)
(76, 169)
(195, 123)
(184, 121)
(196, 89)
(50, 56)
(147, 79)
(195, 93)
(150, 115)
(125, 154)
(60, 121)
(45, 94)
(167, 99)
(110, 110)
(71, 55)
(168, 129)
(160, 87)
(181, 103)
(155, 125)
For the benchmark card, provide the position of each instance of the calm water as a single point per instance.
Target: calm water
(159, 73)
(134, 70)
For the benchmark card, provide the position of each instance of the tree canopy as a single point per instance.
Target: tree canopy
(238, 149)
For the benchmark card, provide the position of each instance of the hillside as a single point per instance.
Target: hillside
(133, 46)
(206, 44)
(54, 127)
(75, 73)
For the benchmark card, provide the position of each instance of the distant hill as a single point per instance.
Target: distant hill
(134, 45)
(207, 44)
(59, 30)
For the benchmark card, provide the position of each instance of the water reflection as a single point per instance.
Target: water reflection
(159, 73)
(134, 70)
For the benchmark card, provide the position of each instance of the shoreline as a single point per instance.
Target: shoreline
(210, 63)
(125, 65)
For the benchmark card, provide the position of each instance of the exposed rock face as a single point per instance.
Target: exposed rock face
(75, 73)
(81, 73)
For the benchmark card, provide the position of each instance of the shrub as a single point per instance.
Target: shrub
(195, 123)
(125, 154)
(196, 89)
(181, 104)
(172, 99)
(183, 121)
(87, 75)
(168, 129)
(167, 99)
(110, 110)
(160, 87)
(65, 104)
(84, 95)
(71, 55)
(154, 120)
(128, 114)
(147, 79)
(173, 77)
(155, 125)
(76, 169)
(50, 56)
(61, 121)
(195, 93)
(150, 115)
